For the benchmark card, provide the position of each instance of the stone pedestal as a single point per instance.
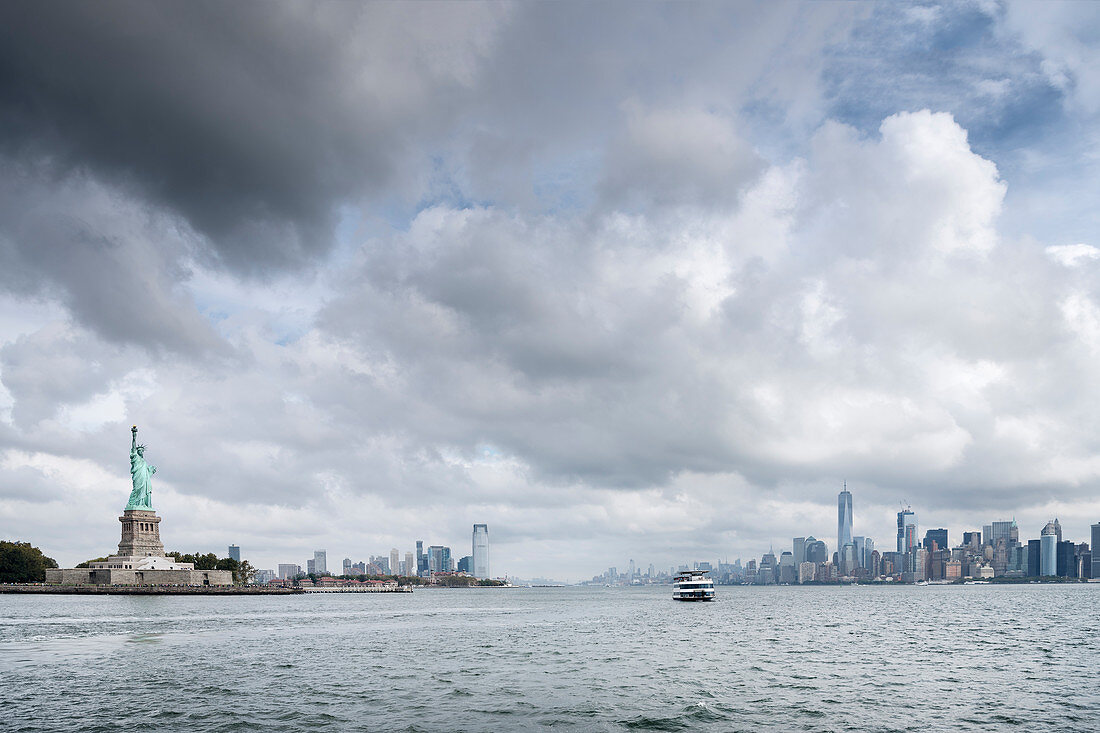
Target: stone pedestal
(140, 534)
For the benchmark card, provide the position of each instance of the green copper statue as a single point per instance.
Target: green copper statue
(142, 475)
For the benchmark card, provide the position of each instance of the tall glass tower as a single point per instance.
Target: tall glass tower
(1048, 550)
(1096, 550)
(480, 553)
(907, 530)
(843, 519)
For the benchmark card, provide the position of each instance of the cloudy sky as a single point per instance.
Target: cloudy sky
(621, 280)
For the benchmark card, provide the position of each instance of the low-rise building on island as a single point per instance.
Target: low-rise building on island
(140, 559)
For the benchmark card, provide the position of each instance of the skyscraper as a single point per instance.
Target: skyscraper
(1066, 559)
(435, 558)
(421, 558)
(395, 561)
(1048, 550)
(410, 564)
(288, 570)
(1096, 550)
(480, 552)
(816, 551)
(1034, 554)
(799, 550)
(235, 552)
(864, 547)
(1005, 530)
(907, 530)
(320, 561)
(939, 536)
(843, 518)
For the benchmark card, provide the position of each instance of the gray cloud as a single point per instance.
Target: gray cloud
(253, 123)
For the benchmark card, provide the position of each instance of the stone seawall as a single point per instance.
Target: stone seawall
(148, 590)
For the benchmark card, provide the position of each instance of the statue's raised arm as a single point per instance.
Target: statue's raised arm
(141, 474)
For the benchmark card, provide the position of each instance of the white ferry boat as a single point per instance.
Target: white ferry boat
(693, 585)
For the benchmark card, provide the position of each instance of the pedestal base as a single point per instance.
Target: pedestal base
(140, 534)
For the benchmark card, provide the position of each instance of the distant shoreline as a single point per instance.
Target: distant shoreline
(146, 590)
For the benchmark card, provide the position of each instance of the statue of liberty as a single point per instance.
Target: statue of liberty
(142, 475)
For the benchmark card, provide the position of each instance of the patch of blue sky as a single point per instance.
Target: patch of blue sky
(447, 186)
(567, 185)
(947, 58)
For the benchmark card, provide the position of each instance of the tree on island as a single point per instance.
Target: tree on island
(244, 573)
(21, 563)
(242, 570)
(88, 563)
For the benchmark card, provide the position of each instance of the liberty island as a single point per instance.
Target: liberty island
(140, 560)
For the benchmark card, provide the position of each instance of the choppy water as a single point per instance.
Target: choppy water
(831, 659)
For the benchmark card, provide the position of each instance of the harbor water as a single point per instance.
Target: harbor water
(942, 658)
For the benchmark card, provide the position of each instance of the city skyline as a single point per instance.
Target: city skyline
(260, 558)
(614, 279)
(994, 551)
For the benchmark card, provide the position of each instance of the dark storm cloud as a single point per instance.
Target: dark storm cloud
(251, 121)
(115, 265)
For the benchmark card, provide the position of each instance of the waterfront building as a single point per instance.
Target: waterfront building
(937, 564)
(410, 564)
(768, 570)
(939, 536)
(846, 560)
(235, 553)
(439, 559)
(787, 571)
(806, 572)
(395, 561)
(1066, 562)
(864, 547)
(816, 551)
(1006, 530)
(799, 550)
(480, 552)
(320, 561)
(919, 563)
(1048, 550)
(952, 570)
(421, 558)
(907, 530)
(843, 518)
(1095, 555)
(289, 571)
